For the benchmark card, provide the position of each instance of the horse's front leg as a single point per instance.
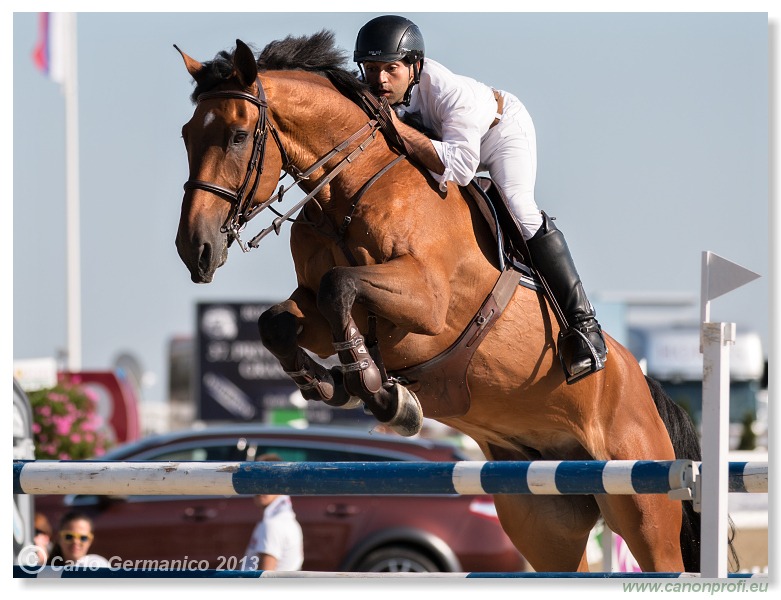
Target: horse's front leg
(284, 328)
(399, 292)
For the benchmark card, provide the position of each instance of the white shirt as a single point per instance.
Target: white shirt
(93, 561)
(459, 110)
(278, 535)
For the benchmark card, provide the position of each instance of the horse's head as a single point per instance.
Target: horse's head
(230, 171)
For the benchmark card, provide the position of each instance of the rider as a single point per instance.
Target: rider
(479, 128)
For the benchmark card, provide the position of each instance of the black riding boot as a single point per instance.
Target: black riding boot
(582, 348)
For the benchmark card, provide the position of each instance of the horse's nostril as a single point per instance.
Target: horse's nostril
(205, 258)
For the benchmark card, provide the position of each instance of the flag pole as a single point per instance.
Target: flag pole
(73, 236)
(719, 276)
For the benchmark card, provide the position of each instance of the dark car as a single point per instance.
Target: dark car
(341, 533)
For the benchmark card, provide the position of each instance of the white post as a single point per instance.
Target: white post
(719, 276)
(716, 338)
(608, 556)
(72, 216)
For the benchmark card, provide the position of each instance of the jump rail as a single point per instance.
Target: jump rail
(371, 478)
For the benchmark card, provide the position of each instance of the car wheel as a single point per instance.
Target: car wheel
(396, 559)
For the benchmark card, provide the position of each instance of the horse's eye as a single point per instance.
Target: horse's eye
(240, 137)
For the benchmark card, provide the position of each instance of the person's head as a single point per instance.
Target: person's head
(263, 500)
(43, 537)
(389, 51)
(43, 530)
(75, 536)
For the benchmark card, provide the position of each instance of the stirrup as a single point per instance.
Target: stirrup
(597, 363)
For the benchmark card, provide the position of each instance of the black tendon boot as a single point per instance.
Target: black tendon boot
(582, 347)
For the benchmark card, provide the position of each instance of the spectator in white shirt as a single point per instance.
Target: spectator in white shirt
(277, 542)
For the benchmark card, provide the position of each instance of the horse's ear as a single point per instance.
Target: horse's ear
(244, 61)
(193, 66)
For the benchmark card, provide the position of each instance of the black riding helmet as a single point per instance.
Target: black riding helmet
(390, 38)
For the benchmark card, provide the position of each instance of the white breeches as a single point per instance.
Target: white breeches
(509, 153)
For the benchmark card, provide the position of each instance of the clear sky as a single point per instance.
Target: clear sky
(652, 133)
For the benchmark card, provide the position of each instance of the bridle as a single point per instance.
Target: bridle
(240, 199)
(242, 208)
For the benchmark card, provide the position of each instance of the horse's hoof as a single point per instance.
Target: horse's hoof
(408, 420)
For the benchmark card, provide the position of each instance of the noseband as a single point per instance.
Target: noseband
(242, 208)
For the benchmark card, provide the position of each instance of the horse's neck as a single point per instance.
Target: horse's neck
(313, 118)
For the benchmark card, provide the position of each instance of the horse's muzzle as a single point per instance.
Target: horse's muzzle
(201, 259)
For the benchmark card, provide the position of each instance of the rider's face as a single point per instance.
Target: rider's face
(389, 79)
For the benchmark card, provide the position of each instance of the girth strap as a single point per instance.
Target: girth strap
(443, 378)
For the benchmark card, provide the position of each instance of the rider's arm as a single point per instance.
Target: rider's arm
(460, 110)
(419, 147)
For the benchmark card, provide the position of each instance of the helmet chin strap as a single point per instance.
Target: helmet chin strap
(415, 80)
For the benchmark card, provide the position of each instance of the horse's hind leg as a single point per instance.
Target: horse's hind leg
(551, 532)
(651, 526)
(280, 328)
(632, 430)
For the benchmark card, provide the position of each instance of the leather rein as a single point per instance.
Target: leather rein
(242, 208)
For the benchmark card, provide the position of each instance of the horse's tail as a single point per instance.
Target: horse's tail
(686, 443)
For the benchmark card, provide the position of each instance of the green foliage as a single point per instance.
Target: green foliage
(66, 424)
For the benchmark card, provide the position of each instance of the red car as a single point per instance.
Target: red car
(422, 533)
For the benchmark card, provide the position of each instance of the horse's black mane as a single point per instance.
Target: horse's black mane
(316, 53)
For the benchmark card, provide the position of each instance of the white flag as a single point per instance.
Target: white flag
(721, 276)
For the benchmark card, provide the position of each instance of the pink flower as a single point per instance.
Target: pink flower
(62, 425)
(75, 438)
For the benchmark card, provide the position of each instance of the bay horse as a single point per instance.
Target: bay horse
(383, 259)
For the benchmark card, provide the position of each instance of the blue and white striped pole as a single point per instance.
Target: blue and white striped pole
(356, 478)
(351, 478)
